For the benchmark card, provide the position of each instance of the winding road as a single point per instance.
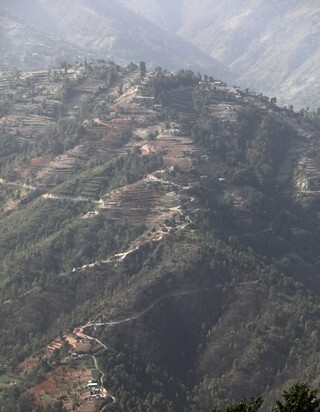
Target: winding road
(135, 316)
(147, 309)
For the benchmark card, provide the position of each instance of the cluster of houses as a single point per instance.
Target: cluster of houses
(96, 391)
(238, 93)
(91, 214)
(214, 83)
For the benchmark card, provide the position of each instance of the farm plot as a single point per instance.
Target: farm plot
(133, 203)
(36, 164)
(87, 90)
(6, 381)
(152, 201)
(210, 167)
(4, 82)
(28, 128)
(286, 168)
(58, 170)
(120, 126)
(63, 382)
(224, 111)
(68, 380)
(50, 171)
(309, 174)
(106, 149)
(181, 102)
(35, 78)
(177, 151)
(312, 166)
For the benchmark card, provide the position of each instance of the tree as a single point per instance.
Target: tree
(132, 67)
(66, 89)
(142, 69)
(245, 405)
(299, 398)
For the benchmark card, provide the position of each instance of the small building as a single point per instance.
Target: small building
(204, 157)
(92, 385)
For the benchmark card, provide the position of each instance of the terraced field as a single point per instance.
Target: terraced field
(181, 102)
(115, 123)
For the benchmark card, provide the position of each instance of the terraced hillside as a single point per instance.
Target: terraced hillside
(158, 233)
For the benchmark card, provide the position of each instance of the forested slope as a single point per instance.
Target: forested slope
(167, 223)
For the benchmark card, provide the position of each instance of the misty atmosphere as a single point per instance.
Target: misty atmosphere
(159, 206)
(270, 47)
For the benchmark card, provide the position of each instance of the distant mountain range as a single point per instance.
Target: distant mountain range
(274, 46)
(270, 47)
(98, 29)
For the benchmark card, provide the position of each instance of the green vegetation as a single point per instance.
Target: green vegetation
(299, 398)
(243, 406)
(167, 210)
(4, 379)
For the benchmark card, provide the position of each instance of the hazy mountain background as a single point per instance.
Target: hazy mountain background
(102, 29)
(22, 46)
(273, 45)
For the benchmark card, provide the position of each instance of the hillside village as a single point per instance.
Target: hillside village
(107, 165)
(107, 133)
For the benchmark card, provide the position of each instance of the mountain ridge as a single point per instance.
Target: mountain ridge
(113, 31)
(270, 48)
(168, 216)
(252, 36)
